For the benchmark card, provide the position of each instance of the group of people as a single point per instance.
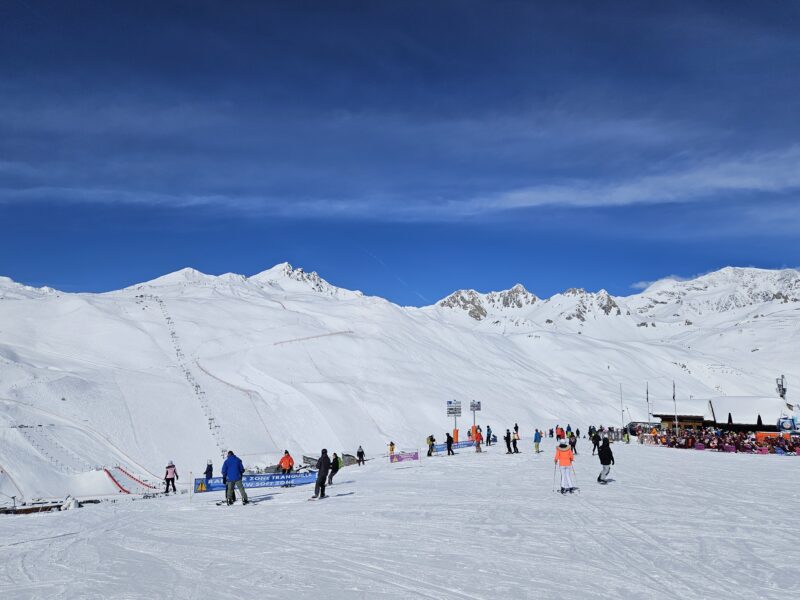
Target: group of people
(713, 438)
(565, 457)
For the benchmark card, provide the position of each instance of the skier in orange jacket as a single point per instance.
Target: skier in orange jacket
(285, 464)
(564, 459)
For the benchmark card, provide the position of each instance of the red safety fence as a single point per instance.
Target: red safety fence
(116, 483)
(136, 479)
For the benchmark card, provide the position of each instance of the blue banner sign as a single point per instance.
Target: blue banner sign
(443, 447)
(256, 481)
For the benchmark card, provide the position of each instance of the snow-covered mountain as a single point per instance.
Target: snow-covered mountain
(187, 365)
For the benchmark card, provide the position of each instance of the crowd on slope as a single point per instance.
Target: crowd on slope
(712, 438)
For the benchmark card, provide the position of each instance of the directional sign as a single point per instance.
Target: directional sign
(475, 405)
(454, 408)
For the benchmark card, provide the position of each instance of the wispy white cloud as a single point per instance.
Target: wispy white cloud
(643, 285)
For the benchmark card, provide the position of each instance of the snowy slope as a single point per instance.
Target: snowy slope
(189, 364)
(471, 526)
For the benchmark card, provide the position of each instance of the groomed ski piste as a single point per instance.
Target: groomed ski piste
(671, 524)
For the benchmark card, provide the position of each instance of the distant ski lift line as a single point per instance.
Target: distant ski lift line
(313, 337)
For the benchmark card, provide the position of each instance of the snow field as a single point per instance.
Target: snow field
(673, 524)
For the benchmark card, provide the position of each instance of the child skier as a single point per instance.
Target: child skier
(564, 459)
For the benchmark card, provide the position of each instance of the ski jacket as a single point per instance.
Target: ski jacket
(605, 454)
(286, 462)
(209, 472)
(564, 457)
(335, 465)
(323, 466)
(232, 468)
(537, 437)
(360, 453)
(478, 437)
(171, 473)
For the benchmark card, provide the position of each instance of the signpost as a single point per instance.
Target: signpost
(454, 410)
(474, 407)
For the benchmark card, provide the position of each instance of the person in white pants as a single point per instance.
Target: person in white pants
(564, 458)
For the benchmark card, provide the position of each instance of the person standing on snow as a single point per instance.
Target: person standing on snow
(507, 440)
(537, 439)
(323, 466)
(514, 438)
(232, 472)
(564, 459)
(391, 448)
(360, 456)
(449, 441)
(209, 472)
(285, 466)
(431, 442)
(335, 464)
(573, 442)
(169, 478)
(516, 430)
(595, 441)
(488, 435)
(606, 459)
(478, 440)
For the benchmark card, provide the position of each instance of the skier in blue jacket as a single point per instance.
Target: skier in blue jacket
(232, 471)
(537, 439)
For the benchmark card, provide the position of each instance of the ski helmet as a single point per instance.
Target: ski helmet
(209, 461)
(563, 443)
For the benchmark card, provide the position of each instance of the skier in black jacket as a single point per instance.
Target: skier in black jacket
(595, 442)
(360, 456)
(507, 440)
(606, 459)
(323, 466)
(449, 441)
(334, 468)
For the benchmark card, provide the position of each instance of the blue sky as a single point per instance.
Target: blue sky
(404, 149)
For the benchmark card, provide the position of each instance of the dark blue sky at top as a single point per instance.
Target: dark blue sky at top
(405, 149)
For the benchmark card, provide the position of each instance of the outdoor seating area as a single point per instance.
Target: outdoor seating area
(720, 440)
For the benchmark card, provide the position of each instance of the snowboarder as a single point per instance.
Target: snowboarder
(323, 466)
(507, 440)
(595, 442)
(606, 459)
(169, 478)
(431, 442)
(360, 456)
(449, 441)
(285, 465)
(537, 439)
(209, 472)
(488, 435)
(335, 464)
(232, 471)
(564, 458)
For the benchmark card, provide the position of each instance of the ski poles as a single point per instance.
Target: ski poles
(555, 468)
(575, 477)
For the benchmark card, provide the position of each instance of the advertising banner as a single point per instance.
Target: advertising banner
(256, 481)
(456, 446)
(399, 457)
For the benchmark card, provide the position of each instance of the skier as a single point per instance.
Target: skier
(169, 478)
(431, 442)
(514, 439)
(537, 439)
(507, 440)
(232, 471)
(564, 459)
(551, 433)
(449, 441)
(569, 428)
(478, 440)
(335, 464)
(323, 466)
(285, 465)
(573, 442)
(595, 442)
(488, 435)
(360, 456)
(209, 472)
(577, 433)
(391, 448)
(606, 459)
(516, 430)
